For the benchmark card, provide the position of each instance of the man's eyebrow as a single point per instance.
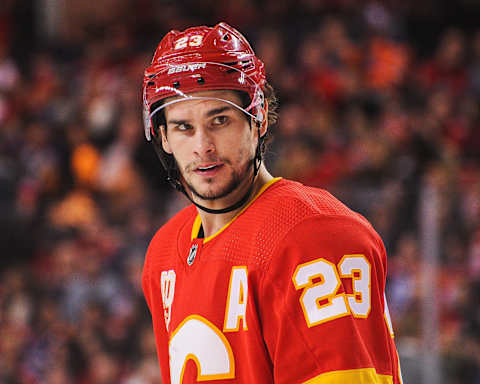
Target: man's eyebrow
(216, 111)
(177, 122)
(210, 113)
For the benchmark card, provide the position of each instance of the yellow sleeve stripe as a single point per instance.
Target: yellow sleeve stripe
(351, 376)
(198, 221)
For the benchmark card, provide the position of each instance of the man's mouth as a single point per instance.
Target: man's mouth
(208, 169)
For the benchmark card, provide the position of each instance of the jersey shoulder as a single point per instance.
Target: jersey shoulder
(288, 208)
(288, 203)
(306, 201)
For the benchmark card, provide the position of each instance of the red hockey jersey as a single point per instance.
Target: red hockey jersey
(290, 291)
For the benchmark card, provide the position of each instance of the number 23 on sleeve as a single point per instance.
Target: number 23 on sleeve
(320, 301)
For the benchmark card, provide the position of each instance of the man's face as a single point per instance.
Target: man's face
(212, 142)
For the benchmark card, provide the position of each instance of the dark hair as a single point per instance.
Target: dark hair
(272, 118)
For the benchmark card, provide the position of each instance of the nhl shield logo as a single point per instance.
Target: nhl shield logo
(192, 254)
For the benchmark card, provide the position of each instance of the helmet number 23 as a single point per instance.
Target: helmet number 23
(320, 301)
(191, 41)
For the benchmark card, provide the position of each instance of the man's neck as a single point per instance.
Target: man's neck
(212, 223)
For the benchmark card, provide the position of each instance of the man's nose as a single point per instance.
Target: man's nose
(204, 143)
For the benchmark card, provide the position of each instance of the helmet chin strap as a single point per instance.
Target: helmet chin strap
(256, 161)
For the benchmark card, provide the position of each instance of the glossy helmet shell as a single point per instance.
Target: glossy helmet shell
(202, 58)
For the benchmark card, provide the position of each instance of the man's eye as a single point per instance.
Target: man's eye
(183, 127)
(219, 120)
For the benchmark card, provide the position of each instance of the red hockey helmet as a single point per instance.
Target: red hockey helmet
(203, 58)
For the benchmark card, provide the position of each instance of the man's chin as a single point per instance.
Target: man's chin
(209, 194)
(213, 192)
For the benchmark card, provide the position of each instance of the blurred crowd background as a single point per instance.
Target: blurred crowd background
(379, 104)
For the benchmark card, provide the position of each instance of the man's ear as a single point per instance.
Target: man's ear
(165, 145)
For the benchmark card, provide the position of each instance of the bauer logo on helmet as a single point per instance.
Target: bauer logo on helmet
(186, 67)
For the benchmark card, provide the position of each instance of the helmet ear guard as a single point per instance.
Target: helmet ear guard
(259, 118)
(259, 104)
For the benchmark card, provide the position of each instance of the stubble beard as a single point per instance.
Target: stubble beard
(237, 177)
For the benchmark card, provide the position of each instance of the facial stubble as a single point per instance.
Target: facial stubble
(237, 177)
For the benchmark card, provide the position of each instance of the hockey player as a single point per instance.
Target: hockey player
(261, 279)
